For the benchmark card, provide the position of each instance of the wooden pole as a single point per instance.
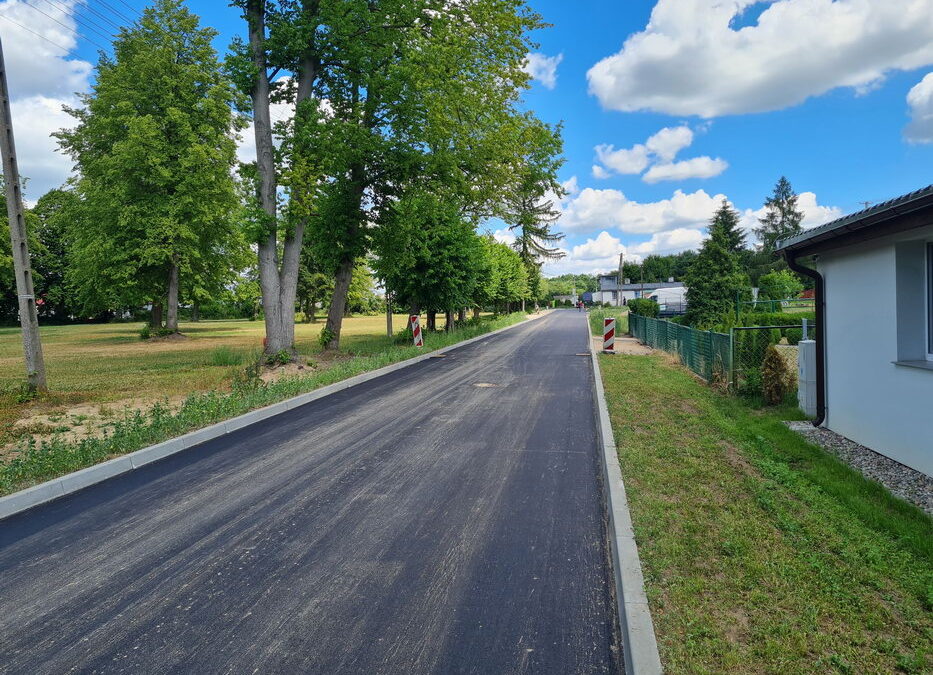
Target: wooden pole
(28, 316)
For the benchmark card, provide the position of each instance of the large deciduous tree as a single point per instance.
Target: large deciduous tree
(389, 93)
(154, 147)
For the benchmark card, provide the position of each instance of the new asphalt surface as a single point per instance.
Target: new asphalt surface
(445, 518)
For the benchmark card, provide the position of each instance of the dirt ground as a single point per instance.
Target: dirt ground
(624, 345)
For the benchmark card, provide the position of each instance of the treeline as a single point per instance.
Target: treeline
(385, 132)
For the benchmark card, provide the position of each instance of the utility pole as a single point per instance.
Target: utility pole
(28, 317)
(619, 281)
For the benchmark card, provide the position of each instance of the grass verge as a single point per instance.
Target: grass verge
(763, 553)
(37, 462)
(598, 314)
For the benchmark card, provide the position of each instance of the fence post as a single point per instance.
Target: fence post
(732, 360)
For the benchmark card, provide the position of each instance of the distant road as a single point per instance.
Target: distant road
(445, 518)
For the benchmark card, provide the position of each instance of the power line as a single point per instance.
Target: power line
(83, 21)
(103, 17)
(40, 35)
(130, 6)
(49, 16)
(115, 11)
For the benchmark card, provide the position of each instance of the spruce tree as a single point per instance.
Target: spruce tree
(726, 221)
(782, 218)
(713, 280)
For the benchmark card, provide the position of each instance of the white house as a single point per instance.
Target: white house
(874, 297)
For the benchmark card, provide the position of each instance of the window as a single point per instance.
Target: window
(929, 302)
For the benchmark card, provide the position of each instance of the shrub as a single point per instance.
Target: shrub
(775, 377)
(794, 335)
(644, 307)
(280, 358)
(325, 337)
(145, 333)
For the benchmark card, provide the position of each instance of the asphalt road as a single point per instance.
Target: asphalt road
(423, 522)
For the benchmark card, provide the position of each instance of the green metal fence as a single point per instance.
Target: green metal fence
(706, 353)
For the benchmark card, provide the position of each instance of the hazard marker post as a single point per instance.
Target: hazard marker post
(414, 322)
(609, 334)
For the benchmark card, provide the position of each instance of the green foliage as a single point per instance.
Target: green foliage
(145, 332)
(427, 255)
(154, 146)
(644, 307)
(776, 379)
(714, 280)
(280, 358)
(725, 227)
(780, 285)
(325, 337)
(782, 218)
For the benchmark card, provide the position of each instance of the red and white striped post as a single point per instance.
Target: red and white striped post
(414, 322)
(609, 334)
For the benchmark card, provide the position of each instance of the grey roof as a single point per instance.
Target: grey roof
(873, 215)
(647, 286)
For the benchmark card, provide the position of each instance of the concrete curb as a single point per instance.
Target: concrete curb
(639, 645)
(73, 482)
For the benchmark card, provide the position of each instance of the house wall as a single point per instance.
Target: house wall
(886, 407)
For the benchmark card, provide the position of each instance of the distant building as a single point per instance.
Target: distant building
(609, 291)
(873, 272)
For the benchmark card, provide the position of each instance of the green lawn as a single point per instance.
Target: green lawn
(762, 553)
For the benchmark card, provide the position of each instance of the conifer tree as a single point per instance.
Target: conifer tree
(782, 218)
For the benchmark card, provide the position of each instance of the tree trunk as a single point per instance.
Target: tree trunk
(155, 321)
(432, 320)
(195, 311)
(171, 316)
(449, 321)
(389, 331)
(338, 303)
(476, 312)
(523, 304)
(461, 317)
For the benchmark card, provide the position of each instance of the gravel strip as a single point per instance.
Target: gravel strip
(909, 484)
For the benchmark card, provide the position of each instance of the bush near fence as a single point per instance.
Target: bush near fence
(706, 353)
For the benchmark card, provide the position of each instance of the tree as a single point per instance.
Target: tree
(56, 212)
(530, 201)
(726, 221)
(713, 280)
(154, 147)
(781, 219)
(427, 255)
(780, 285)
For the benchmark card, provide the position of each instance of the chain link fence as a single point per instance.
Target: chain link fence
(750, 345)
(706, 353)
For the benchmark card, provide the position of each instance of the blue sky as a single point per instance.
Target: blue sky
(834, 95)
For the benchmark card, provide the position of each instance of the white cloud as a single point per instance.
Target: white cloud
(504, 236)
(41, 79)
(658, 152)
(571, 187)
(698, 167)
(543, 68)
(814, 214)
(600, 173)
(591, 257)
(674, 241)
(34, 120)
(691, 60)
(604, 246)
(594, 209)
(669, 141)
(633, 160)
(920, 106)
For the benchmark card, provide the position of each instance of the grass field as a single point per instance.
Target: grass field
(109, 365)
(762, 553)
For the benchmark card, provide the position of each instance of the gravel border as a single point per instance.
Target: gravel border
(908, 484)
